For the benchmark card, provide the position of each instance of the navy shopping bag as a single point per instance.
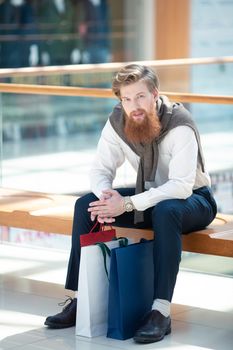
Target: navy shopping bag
(131, 288)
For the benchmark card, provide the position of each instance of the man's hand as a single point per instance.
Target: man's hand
(110, 204)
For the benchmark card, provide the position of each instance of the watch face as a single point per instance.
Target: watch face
(129, 207)
(128, 204)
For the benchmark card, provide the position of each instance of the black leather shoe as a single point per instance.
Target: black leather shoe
(66, 318)
(154, 327)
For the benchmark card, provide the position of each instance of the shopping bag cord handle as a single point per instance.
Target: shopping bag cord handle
(123, 242)
(102, 227)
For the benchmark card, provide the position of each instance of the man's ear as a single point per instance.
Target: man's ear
(156, 94)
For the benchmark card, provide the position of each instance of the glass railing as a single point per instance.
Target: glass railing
(49, 133)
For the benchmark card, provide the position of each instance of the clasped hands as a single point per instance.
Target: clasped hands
(110, 204)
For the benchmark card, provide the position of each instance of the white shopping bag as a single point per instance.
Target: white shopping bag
(93, 284)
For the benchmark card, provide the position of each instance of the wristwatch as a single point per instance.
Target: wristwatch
(128, 204)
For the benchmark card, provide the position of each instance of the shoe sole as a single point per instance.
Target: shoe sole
(151, 340)
(58, 326)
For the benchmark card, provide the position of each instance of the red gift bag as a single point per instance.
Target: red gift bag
(102, 235)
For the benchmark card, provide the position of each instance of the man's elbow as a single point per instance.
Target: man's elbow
(185, 190)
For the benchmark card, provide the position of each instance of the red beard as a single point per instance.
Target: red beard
(144, 131)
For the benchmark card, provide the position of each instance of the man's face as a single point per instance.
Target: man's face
(137, 101)
(141, 122)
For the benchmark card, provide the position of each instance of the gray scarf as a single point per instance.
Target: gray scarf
(170, 115)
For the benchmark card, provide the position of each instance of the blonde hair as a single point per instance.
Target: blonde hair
(131, 74)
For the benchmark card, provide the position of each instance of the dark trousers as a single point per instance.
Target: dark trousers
(169, 219)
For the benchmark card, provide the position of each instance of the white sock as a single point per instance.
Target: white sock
(76, 294)
(163, 306)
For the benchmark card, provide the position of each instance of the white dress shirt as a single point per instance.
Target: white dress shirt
(178, 171)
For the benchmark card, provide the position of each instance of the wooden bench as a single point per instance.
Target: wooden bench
(54, 213)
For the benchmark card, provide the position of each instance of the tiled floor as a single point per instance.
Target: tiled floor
(32, 284)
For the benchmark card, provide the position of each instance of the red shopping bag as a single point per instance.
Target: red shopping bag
(102, 235)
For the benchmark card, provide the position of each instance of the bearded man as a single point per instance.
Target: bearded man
(172, 193)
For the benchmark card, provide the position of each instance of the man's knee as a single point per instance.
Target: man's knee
(82, 203)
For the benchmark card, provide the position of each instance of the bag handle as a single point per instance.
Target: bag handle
(123, 242)
(105, 251)
(102, 227)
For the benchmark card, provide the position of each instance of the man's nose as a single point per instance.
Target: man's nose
(136, 103)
